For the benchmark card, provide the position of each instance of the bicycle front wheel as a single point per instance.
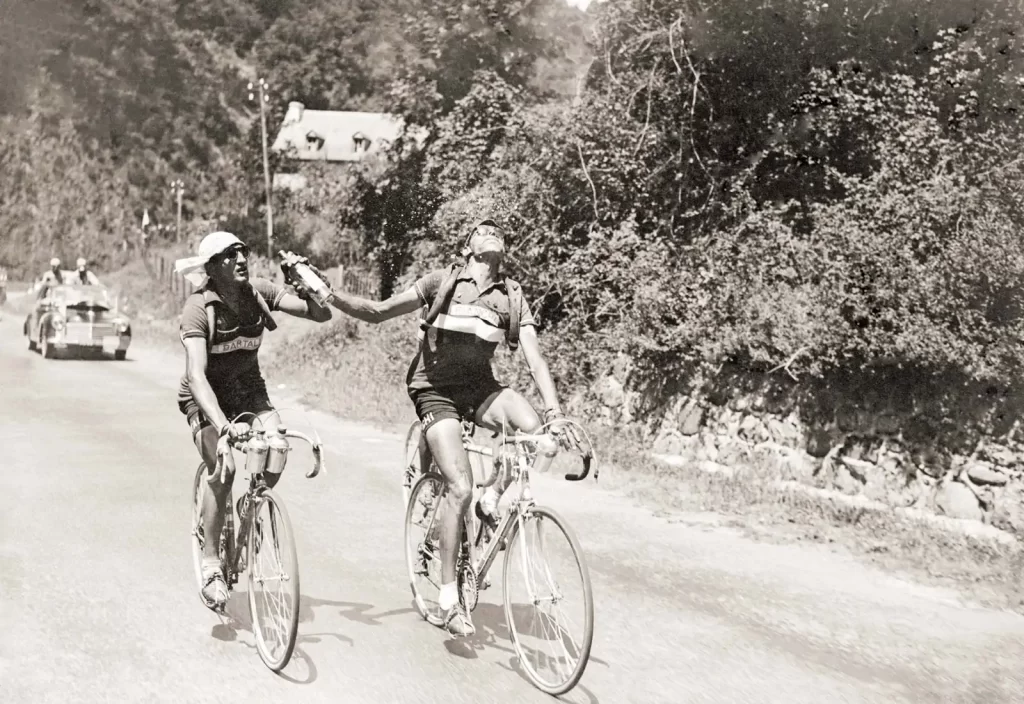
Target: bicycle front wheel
(549, 604)
(273, 567)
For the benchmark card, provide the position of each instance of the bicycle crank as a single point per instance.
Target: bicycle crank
(469, 587)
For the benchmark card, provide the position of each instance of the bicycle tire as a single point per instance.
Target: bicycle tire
(199, 488)
(410, 473)
(516, 539)
(413, 552)
(280, 530)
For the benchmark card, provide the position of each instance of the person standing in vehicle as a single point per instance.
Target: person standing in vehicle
(83, 275)
(53, 277)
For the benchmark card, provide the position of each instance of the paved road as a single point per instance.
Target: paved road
(97, 601)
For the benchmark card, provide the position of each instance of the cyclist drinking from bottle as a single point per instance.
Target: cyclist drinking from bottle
(467, 310)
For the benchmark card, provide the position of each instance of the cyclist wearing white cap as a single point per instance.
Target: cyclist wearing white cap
(221, 329)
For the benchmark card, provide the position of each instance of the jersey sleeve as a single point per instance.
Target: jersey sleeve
(428, 285)
(272, 293)
(193, 318)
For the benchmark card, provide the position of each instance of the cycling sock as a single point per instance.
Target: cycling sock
(449, 596)
(211, 564)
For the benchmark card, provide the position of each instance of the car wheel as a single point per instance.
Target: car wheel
(119, 355)
(47, 349)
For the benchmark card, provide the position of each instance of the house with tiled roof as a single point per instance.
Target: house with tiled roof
(329, 136)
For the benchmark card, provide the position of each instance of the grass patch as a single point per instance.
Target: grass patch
(349, 368)
(754, 498)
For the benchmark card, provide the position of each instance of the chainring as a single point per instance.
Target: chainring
(469, 586)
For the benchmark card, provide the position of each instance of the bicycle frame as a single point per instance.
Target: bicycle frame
(257, 483)
(521, 505)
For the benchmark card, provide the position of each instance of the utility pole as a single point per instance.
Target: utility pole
(178, 187)
(262, 89)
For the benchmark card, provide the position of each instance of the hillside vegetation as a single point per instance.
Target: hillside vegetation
(830, 186)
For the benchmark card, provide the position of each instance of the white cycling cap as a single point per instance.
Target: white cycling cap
(194, 268)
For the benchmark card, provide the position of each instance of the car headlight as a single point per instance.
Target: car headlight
(57, 323)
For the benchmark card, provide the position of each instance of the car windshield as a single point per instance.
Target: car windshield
(95, 297)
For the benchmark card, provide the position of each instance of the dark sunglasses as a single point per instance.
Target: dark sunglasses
(232, 251)
(486, 230)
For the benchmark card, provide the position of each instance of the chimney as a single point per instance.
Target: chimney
(294, 114)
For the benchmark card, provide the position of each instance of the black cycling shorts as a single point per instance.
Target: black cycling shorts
(458, 402)
(257, 402)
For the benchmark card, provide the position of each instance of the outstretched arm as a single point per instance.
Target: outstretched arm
(377, 311)
(539, 368)
(308, 308)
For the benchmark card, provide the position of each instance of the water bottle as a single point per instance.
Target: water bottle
(319, 290)
(277, 455)
(255, 454)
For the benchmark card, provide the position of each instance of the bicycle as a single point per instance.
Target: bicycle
(523, 520)
(261, 515)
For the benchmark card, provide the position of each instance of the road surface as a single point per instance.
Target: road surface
(98, 602)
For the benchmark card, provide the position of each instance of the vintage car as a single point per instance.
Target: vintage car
(76, 317)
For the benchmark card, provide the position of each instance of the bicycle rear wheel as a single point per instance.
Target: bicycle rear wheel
(199, 489)
(550, 607)
(273, 567)
(411, 469)
(422, 545)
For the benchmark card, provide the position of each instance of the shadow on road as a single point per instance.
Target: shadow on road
(236, 618)
(300, 655)
(492, 632)
(353, 611)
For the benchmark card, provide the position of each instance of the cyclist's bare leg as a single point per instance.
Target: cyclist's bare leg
(444, 439)
(424, 453)
(511, 408)
(215, 498)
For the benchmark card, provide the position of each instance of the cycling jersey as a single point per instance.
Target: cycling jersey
(458, 345)
(232, 364)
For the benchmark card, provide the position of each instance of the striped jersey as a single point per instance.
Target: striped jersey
(458, 346)
(232, 364)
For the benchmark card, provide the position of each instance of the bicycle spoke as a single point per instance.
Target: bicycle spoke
(423, 557)
(275, 602)
(549, 624)
(546, 594)
(273, 583)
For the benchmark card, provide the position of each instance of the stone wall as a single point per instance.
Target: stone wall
(906, 439)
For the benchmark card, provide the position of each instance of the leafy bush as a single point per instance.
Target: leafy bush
(792, 182)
